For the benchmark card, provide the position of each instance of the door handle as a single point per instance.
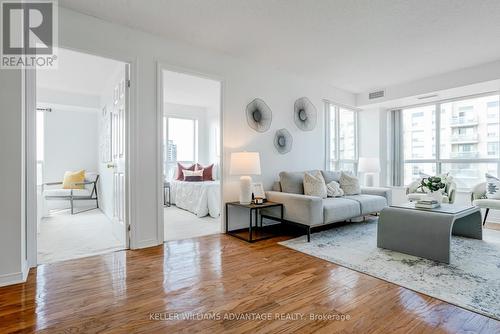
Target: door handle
(111, 165)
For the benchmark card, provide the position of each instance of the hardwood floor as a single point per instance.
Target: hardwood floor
(135, 291)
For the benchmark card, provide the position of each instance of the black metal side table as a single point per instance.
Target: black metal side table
(254, 228)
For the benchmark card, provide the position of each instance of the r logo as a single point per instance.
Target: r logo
(27, 28)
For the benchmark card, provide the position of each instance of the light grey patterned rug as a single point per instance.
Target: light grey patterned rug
(471, 280)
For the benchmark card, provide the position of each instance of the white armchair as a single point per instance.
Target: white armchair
(413, 193)
(478, 198)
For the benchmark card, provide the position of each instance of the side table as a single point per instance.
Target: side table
(166, 188)
(261, 232)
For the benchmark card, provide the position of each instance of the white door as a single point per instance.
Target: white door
(118, 149)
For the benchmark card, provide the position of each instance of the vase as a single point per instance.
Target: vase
(437, 195)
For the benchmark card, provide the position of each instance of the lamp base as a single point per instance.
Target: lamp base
(245, 190)
(369, 179)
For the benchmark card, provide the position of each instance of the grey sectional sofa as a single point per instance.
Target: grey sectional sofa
(311, 211)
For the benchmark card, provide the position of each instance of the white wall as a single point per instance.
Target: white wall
(12, 221)
(242, 83)
(371, 124)
(71, 143)
(213, 134)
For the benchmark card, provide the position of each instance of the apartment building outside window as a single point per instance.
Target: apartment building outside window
(341, 138)
(465, 142)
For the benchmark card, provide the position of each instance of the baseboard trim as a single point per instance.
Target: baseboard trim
(14, 278)
(146, 243)
(26, 270)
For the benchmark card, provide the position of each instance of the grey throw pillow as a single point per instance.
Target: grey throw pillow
(350, 184)
(330, 176)
(292, 182)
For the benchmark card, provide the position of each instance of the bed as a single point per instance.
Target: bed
(200, 198)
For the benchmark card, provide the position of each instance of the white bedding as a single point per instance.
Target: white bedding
(200, 198)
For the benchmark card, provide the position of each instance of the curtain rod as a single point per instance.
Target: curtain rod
(44, 109)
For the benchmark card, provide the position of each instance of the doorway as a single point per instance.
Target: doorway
(81, 145)
(191, 150)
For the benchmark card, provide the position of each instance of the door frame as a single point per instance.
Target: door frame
(160, 67)
(29, 152)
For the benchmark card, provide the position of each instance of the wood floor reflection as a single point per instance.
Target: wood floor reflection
(145, 291)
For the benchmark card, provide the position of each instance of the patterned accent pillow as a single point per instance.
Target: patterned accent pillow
(193, 176)
(350, 184)
(333, 189)
(181, 169)
(492, 187)
(314, 184)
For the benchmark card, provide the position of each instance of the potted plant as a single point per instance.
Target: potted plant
(433, 186)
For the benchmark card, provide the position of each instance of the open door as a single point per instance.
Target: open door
(119, 142)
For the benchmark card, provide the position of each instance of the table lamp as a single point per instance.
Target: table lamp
(245, 164)
(369, 166)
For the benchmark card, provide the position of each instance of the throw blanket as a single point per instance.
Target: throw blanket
(200, 198)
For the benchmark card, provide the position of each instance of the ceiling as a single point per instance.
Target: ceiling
(357, 45)
(78, 72)
(180, 88)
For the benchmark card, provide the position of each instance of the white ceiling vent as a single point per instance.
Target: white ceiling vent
(376, 95)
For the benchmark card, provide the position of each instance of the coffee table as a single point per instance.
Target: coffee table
(427, 232)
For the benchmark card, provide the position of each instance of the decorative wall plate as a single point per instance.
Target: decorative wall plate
(305, 114)
(283, 141)
(259, 115)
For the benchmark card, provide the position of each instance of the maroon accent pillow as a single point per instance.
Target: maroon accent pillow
(181, 168)
(193, 178)
(207, 171)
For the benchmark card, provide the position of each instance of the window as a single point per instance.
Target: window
(467, 139)
(493, 149)
(180, 142)
(341, 138)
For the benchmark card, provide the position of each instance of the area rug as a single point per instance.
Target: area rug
(471, 280)
(63, 236)
(181, 224)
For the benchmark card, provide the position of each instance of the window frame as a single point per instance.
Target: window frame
(195, 133)
(335, 161)
(438, 161)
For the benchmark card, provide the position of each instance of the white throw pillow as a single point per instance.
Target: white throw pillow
(492, 187)
(350, 184)
(314, 184)
(333, 189)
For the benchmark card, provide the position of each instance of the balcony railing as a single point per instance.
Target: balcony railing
(467, 138)
(458, 121)
(464, 155)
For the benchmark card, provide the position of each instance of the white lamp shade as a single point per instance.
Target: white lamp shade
(369, 165)
(245, 163)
